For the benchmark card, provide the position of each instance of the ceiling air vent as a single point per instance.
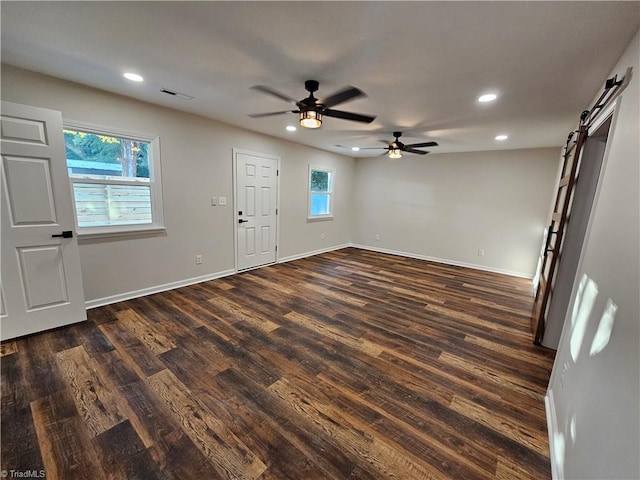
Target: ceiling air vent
(173, 93)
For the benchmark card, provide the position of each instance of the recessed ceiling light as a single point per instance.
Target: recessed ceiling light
(134, 77)
(501, 137)
(355, 149)
(291, 128)
(488, 97)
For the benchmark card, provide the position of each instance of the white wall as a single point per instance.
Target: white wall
(600, 393)
(449, 206)
(196, 164)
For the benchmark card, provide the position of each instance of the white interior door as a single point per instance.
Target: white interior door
(256, 198)
(41, 279)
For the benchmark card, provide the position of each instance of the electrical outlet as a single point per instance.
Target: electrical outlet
(198, 259)
(322, 236)
(222, 201)
(481, 253)
(377, 237)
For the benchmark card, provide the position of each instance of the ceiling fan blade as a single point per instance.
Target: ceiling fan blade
(269, 114)
(342, 96)
(420, 145)
(275, 93)
(417, 152)
(356, 117)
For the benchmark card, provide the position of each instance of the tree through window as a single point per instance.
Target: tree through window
(115, 183)
(320, 192)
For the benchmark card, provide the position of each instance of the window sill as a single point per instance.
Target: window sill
(320, 219)
(92, 233)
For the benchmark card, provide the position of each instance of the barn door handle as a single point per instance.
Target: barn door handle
(242, 221)
(549, 233)
(65, 234)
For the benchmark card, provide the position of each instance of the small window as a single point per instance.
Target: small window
(115, 180)
(321, 192)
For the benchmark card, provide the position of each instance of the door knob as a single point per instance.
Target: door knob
(65, 234)
(242, 221)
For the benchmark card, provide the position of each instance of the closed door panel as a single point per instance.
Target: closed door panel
(43, 278)
(250, 241)
(256, 186)
(266, 201)
(265, 240)
(249, 206)
(23, 130)
(29, 191)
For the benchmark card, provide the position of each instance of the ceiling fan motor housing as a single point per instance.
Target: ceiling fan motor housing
(311, 86)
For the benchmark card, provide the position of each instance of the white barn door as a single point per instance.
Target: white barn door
(41, 279)
(256, 198)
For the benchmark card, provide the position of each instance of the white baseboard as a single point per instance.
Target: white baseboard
(99, 302)
(557, 470)
(121, 297)
(314, 252)
(444, 260)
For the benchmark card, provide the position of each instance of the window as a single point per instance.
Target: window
(115, 180)
(321, 192)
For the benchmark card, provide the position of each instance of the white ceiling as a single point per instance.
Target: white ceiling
(422, 64)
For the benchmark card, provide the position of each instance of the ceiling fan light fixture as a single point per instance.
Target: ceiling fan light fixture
(310, 119)
(395, 153)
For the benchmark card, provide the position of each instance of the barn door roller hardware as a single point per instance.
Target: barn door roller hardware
(612, 88)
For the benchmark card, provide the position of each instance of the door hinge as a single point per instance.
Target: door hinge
(276, 248)
(276, 211)
(277, 173)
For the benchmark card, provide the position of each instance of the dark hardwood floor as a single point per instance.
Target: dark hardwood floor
(346, 365)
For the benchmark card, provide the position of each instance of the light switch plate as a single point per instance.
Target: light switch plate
(214, 201)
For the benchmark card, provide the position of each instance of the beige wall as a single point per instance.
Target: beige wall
(449, 206)
(196, 164)
(444, 207)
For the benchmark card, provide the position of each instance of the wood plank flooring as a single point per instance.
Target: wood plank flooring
(346, 365)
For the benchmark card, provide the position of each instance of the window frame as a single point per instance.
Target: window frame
(329, 193)
(154, 183)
